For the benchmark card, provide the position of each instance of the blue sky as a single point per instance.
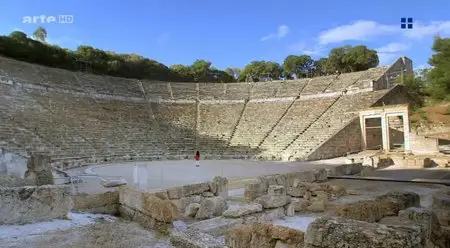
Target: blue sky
(233, 33)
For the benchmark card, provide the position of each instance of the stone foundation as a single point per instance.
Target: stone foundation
(264, 235)
(337, 232)
(104, 203)
(19, 205)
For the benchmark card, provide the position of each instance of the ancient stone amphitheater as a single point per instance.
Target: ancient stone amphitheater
(84, 118)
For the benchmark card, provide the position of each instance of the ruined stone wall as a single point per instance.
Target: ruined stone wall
(28, 204)
(261, 184)
(103, 203)
(346, 140)
(200, 200)
(423, 145)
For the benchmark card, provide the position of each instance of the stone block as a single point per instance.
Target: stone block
(290, 209)
(276, 190)
(194, 239)
(103, 203)
(392, 202)
(161, 210)
(335, 232)
(320, 175)
(300, 204)
(270, 201)
(368, 211)
(191, 209)
(272, 214)
(175, 192)
(34, 203)
(215, 226)
(296, 192)
(237, 211)
(195, 189)
(263, 235)
(210, 207)
(207, 194)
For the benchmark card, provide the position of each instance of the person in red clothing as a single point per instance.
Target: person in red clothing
(197, 158)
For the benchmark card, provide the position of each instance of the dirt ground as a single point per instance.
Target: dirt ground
(103, 234)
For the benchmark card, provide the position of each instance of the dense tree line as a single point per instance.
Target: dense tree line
(35, 50)
(434, 83)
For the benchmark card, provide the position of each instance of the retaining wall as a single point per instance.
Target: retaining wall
(261, 184)
(19, 205)
(150, 207)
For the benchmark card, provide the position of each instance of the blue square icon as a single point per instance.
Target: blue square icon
(406, 23)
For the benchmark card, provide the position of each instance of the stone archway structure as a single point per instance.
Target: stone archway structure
(386, 125)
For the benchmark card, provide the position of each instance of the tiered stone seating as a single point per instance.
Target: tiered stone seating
(343, 81)
(17, 111)
(216, 126)
(56, 77)
(237, 91)
(212, 91)
(261, 90)
(19, 72)
(185, 91)
(109, 85)
(257, 120)
(291, 88)
(318, 85)
(157, 90)
(334, 119)
(300, 115)
(177, 123)
(369, 76)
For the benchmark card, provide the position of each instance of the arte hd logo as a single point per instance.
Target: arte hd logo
(43, 19)
(406, 23)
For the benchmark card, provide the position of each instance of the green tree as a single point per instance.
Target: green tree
(415, 84)
(321, 67)
(261, 71)
(18, 35)
(351, 59)
(439, 75)
(40, 34)
(298, 66)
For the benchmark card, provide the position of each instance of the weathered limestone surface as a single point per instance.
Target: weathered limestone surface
(210, 207)
(263, 235)
(271, 201)
(194, 239)
(436, 236)
(34, 203)
(362, 210)
(374, 210)
(148, 204)
(219, 187)
(392, 202)
(191, 210)
(103, 203)
(441, 206)
(335, 232)
(216, 226)
(236, 211)
(39, 169)
(14, 181)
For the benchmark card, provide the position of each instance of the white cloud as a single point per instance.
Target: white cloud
(282, 31)
(358, 30)
(393, 47)
(391, 51)
(163, 38)
(302, 48)
(363, 30)
(420, 30)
